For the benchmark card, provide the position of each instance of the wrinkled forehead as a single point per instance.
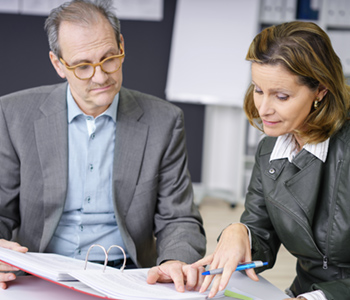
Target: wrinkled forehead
(81, 39)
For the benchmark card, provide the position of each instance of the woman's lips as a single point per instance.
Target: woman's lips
(270, 123)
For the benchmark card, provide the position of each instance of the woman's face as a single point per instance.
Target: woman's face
(282, 102)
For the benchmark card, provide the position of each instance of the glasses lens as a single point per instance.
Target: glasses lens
(111, 64)
(84, 71)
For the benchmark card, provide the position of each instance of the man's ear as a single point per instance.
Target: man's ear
(57, 65)
(122, 44)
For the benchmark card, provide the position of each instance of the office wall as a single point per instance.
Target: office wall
(25, 63)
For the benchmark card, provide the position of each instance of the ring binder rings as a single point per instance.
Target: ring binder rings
(106, 255)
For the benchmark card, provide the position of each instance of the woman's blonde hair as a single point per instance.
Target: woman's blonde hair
(305, 50)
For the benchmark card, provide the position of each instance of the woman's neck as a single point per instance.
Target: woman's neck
(299, 143)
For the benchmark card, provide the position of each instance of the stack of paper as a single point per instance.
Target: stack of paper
(51, 266)
(129, 284)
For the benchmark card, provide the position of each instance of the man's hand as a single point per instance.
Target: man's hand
(5, 277)
(179, 273)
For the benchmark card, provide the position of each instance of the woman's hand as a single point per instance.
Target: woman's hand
(233, 248)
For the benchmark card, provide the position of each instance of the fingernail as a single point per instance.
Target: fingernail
(211, 294)
(11, 277)
(221, 288)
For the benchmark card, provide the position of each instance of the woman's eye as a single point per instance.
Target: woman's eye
(282, 97)
(258, 91)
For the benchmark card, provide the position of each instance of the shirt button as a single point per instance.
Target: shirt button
(272, 171)
(91, 167)
(81, 228)
(89, 118)
(88, 199)
(92, 136)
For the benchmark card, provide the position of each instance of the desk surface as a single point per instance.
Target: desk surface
(34, 288)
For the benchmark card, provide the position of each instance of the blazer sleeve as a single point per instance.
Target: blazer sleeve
(10, 181)
(178, 224)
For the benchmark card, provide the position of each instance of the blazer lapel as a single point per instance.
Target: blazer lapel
(296, 188)
(304, 186)
(51, 133)
(131, 137)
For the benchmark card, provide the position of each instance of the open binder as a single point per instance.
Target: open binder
(105, 282)
(56, 268)
(91, 278)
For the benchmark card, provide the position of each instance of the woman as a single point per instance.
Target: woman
(299, 194)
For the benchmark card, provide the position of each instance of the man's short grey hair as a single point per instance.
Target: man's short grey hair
(84, 12)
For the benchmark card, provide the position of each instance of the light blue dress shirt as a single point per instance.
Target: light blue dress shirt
(88, 215)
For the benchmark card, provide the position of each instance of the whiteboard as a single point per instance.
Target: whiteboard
(209, 44)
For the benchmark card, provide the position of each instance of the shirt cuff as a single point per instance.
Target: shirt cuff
(315, 295)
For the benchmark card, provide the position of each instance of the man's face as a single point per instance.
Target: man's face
(89, 44)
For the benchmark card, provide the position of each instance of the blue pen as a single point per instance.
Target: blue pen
(240, 267)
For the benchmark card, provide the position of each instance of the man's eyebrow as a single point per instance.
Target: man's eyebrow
(80, 61)
(109, 52)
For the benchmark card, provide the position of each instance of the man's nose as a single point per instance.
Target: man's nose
(100, 76)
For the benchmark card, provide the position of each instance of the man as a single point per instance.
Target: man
(89, 161)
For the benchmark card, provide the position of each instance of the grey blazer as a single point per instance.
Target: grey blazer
(151, 185)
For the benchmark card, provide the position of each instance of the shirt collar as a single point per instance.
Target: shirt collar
(74, 110)
(285, 148)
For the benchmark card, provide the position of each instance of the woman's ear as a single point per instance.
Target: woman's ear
(322, 91)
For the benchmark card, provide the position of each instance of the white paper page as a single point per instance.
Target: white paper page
(131, 284)
(79, 286)
(52, 266)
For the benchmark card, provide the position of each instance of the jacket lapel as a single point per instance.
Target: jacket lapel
(296, 187)
(51, 133)
(131, 137)
(304, 186)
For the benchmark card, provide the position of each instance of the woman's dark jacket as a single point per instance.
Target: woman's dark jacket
(305, 205)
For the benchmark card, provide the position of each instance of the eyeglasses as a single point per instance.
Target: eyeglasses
(85, 71)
